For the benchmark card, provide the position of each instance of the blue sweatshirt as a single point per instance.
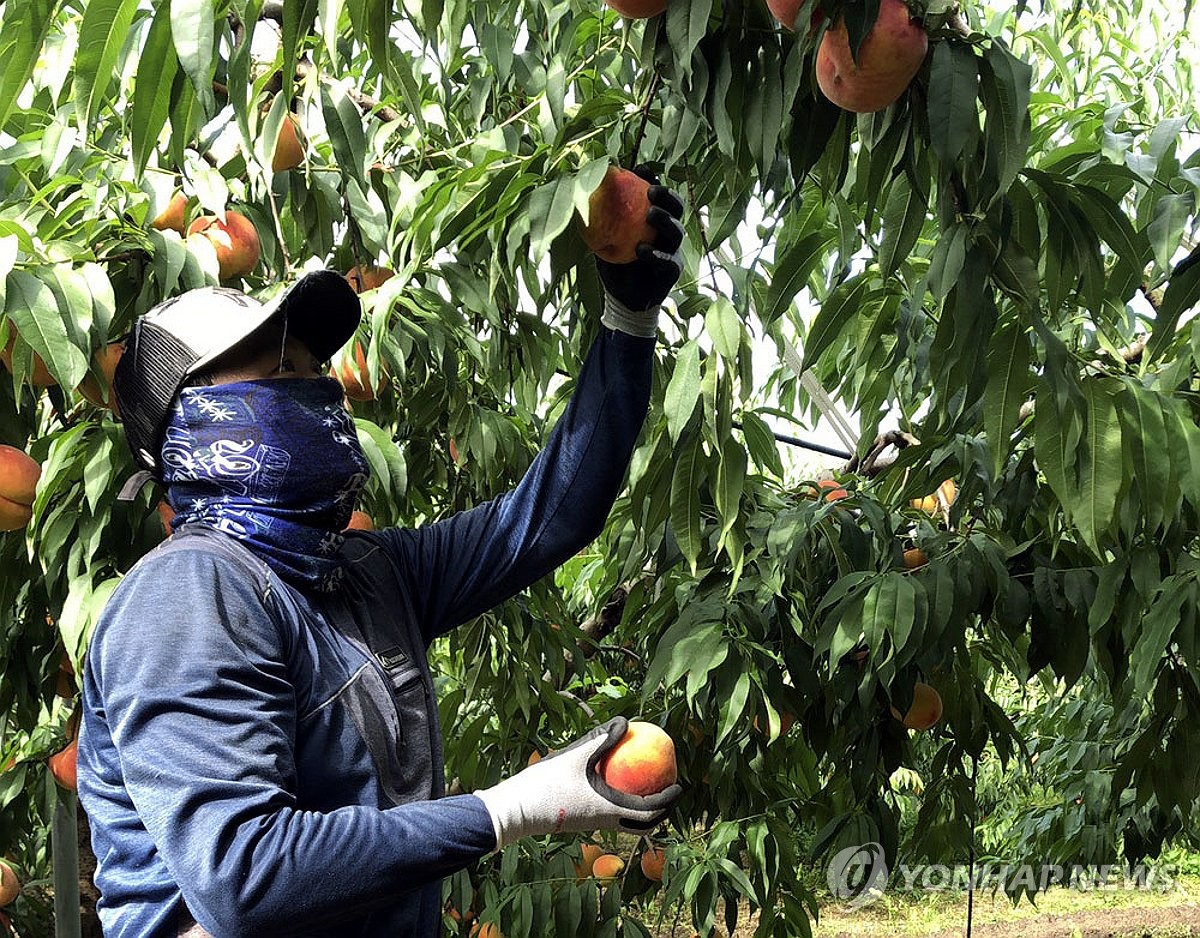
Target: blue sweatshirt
(258, 761)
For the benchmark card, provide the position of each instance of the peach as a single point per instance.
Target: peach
(172, 217)
(64, 765)
(642, 763)
(652, 862)
(932, 504)
(589, 853)
(368, 278)
(235, 241)
(39, 375)
(888, 59)
(105, 361)
(360, 521)
(607, 868)
(925, 709)
(914, 557)
(617, 217)
(638, 9)
(354, 376)
(19, 476)
(289, 149)
(10, 885)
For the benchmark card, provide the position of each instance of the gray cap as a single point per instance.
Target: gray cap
(182, 335)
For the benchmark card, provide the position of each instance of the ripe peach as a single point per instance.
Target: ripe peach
(583, 869)
(39, 375)
(235, 241)
(289, 148)
(486, 930)
(64, 765)
(932, 504)
(19, 476)
(925, 710)
(607, 868)
(363, 279)
(352, 372)
(638, 9)
(617, 217)
(172, 217)
(106, 361)
(10, 885)
(166, 515)
(914, 557)
(360, 521)
(888, 59)
(785, 12)
(643, 762)
(652, 863)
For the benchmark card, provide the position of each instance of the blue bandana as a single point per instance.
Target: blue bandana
(275, 464)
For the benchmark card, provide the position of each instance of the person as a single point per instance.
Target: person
(260, 751)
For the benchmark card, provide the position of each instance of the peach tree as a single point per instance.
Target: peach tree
(993, 273)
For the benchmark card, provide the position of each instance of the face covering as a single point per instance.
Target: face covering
(275, 464)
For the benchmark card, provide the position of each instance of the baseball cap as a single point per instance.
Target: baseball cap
(182, 335)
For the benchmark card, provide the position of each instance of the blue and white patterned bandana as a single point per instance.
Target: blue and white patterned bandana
(274, 463)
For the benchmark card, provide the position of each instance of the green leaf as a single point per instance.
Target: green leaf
(953, 88)
(731, 482)
(1050, 442)
(685, 499)
(723, 325)
(32, 307)
(792, 271)
(760, 441)
(105, 29)
(846, 300)
(1008, 385)
(551, 208)
(23, 32)
(193, 30)
(683, 390)
(903, 219)
(1100, 475)
(344, 124)
(1158, 625)
(152, 87)
(298, 17)
(687, 24)
(1182, 293)
(1004, 89)
(1146, 438)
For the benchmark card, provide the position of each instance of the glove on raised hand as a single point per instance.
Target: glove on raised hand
(633, 291)
(565, 793)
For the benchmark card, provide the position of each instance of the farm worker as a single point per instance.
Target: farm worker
(260, 751)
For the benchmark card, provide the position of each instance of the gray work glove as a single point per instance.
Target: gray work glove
(565, 793)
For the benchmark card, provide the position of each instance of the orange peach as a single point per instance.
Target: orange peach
(643, 762)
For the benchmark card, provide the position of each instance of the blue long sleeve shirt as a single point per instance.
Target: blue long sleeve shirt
(256, 761)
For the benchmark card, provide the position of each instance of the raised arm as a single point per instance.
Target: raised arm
(460, 567)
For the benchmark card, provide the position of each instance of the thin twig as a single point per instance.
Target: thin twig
(637, 140)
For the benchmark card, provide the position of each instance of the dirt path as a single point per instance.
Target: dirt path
(1179, 922)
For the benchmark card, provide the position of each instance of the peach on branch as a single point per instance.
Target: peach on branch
(607, 868)
(638, 9)
(19, 474)
(888, 59)
(235, 240)
(173, 216)
(925, 709)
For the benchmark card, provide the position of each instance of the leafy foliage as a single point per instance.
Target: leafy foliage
(1005, 259)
